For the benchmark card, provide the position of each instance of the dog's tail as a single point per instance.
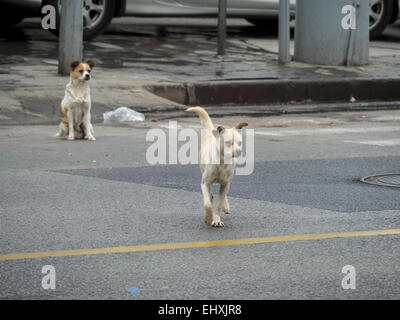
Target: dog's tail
(204, 117)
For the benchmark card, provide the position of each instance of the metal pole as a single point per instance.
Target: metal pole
(284, 31)
(71, 35)
(221, 27)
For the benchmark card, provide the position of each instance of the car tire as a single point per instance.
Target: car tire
(380, 15)
(99, 24)
(267, 25)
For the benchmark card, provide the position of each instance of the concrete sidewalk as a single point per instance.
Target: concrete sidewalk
(160, 68)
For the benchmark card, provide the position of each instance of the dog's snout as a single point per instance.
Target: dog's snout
(87, 77)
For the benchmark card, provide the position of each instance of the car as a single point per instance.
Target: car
(98, 14)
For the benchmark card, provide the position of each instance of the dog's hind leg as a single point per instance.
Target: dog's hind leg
(207, 201)
(62, 131)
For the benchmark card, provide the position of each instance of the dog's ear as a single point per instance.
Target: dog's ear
(90, 64)
(220, 130)
(241, 125)
(74, 65)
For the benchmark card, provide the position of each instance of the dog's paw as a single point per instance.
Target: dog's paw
(217, 223)
(91, 138)
(208, 219)
(226, 209)
(71, 138)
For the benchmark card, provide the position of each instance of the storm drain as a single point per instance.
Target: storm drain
(385, 180)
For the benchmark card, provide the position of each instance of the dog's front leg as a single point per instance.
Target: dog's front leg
(223, 197)
(71, 131)
(88, 127)
(222, 205)
(207, 200)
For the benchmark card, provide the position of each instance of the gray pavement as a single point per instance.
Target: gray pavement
(59, 195)
(54, 197)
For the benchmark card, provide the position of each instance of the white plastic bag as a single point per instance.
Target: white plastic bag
(122, 115)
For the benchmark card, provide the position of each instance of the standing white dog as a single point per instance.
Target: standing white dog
(76, 105)
(218, 151)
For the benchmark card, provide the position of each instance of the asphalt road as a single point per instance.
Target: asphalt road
(59, 195)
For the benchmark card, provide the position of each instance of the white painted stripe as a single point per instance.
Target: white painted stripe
(306, 132)
(380, 143)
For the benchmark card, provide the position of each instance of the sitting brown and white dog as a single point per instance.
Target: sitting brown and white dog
(76, 105)
(218, 151)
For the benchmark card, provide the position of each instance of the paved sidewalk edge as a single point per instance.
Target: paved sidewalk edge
(256, 92)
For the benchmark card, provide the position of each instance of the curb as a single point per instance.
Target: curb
(263, 98)
(255, 92)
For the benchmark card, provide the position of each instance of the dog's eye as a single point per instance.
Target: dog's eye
(89, 71)
(81, 71)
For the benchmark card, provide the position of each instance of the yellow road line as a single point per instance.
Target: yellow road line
(198, 244)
